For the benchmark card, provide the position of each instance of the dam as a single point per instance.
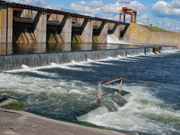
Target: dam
(29, 24)
(53, 60)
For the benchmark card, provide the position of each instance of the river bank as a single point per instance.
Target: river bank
(21, 123)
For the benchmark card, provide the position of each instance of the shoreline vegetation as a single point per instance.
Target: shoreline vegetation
(154, 29)
(14, 106)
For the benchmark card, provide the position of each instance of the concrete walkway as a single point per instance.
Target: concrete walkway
(24, 123)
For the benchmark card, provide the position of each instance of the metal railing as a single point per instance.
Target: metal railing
(41, 4)
(107, 82)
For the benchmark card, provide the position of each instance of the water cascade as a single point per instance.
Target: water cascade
(10, 62)
(168, 49)
(111, 38)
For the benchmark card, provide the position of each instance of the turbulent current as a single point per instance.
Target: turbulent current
(68, 91)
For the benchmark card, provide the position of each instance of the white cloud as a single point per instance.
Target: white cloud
(124, 1)
(143, 19)
(164, 9)
(174, 21)
(167, 25)
(140, 23)
(93, 8)
(174, 4)
(114, 8)
(97, 8)
(57, 7)
(91, 4)
(172, 27)
(40, 3)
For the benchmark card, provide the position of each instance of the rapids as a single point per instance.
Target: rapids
(68, 90)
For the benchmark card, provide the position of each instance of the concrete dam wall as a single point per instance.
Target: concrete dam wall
(30, 24)
(140, 35)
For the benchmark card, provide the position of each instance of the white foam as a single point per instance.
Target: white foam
(134, 115)
(76, 91)
(63, 66)
(135, 55)
(169, 49)
(151, 53)
(119, 56)
(98, 61)
(110, 57)
(111, 38)
(95, 113)
(32, 70)
(89, 60)
(19, 86)
(84, 63)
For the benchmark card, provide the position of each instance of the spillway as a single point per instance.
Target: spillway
(10, 62)
(111, 38)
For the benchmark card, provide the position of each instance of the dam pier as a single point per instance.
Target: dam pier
(29, 24)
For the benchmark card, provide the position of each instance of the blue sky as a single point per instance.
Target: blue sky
(164, 13)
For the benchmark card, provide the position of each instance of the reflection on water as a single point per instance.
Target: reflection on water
(41, 48)
(6, 49)
(82, 46)
(29, 48)
(58, 47)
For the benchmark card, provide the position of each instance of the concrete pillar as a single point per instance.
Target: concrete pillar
(40, 23)
(10, 25)
(156, 49)
(116, 30)
(6, 24)
(3, 24)
(23, 13)
(26, 13)
(87, 31)
(103, 32)
(34, 13)
(0, 24)
(66, 29)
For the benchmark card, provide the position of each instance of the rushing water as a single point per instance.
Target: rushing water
(69, 91)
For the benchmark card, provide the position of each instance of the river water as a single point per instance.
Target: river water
(151, 83)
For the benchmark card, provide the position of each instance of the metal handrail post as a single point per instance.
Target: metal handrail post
(120, 87)
(107, 82)
(99, 92)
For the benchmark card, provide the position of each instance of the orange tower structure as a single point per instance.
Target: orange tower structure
(125, 11)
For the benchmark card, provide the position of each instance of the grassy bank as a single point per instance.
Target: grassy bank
(154, 29)
(14, 106)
